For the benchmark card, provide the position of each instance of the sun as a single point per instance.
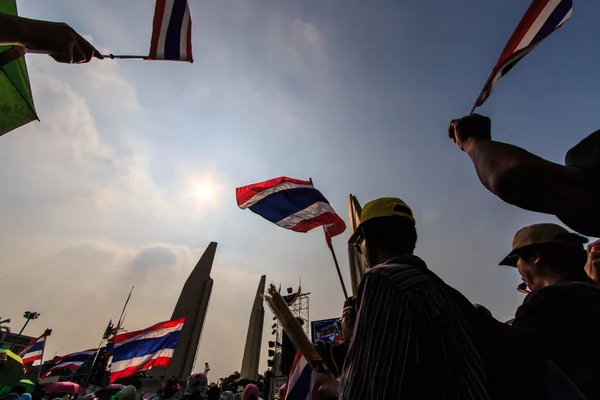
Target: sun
(204, 191)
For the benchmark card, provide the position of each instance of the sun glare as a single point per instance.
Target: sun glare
(204, 191)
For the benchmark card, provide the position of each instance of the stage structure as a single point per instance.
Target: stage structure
(281, 350)
(192, 304)
(251, 357)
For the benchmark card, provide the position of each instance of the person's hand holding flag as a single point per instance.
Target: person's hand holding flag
(467, 131)
(56, 39)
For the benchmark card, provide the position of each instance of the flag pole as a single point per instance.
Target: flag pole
(124, 57)
(121, 318)
(335, 261)
(46, 334)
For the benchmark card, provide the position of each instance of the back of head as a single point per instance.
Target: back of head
(250, 392)
(585, 153)
(391, 235)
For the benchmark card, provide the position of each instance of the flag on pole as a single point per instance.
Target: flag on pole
(140, 350)
(541, 19)
(302, 382)
(292, 204)
(71, 361)
(33, 352)
(171, 31)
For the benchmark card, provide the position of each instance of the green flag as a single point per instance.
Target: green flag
(16, 100)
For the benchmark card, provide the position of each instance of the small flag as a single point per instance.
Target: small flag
(71, 361)
(33, 352)
(302, 382)
(541, 19)
(171, 31)
(140, 350)
(292, 204)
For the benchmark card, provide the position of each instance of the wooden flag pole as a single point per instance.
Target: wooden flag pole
(335, 261)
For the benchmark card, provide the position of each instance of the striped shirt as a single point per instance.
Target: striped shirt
(411, 339)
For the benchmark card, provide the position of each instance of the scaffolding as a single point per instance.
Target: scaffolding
(301, 309)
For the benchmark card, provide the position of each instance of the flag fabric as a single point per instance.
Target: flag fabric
(541, 19)
(302, 382)
(72, 361)
(33, 352)
(140, 350)
(171, 31)
(292, 204)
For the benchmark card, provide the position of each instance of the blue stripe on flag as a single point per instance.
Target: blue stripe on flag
(36, 347)
(280, 205)
(301, 388)
(76, 358)
(553, 20)
(138, 348)
(173, 37)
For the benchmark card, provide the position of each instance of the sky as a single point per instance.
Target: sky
(132, 170)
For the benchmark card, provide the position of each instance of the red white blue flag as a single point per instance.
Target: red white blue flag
(171, 31)
(292, 204)
(33, 352)
(140, 350)
(302, 382)
(72, 361)
(541, 19)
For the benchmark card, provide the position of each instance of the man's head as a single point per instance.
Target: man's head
(546, 253)
(387, 229)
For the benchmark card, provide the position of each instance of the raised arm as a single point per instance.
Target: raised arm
(56, 39)
(517, 176)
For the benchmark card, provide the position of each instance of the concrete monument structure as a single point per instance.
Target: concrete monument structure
(192, 304)
(254, 337)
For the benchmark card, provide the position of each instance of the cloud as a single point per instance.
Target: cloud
(296, 48)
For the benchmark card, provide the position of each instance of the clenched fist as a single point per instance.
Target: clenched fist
(465, 132)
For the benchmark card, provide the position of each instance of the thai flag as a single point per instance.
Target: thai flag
(541, 19)
(71, 361)
(33, 352)
(171, 31)
(292, 204)
(302, 382)
(140, 350)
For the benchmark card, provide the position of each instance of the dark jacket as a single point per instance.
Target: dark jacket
(564, 320)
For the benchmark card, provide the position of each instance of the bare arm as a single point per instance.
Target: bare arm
(12, 30)
(527, 181)
(519, 177)
(56, 39)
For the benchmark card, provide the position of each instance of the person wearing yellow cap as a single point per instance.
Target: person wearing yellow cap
(411, 339)
(562, 308)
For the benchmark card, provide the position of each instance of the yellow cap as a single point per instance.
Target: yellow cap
(384, 207)
(541, 234)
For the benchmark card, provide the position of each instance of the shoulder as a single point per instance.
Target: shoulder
(403, 273)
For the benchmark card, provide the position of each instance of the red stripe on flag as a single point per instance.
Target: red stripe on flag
(159, 12)
(323, 219)
(157, 362)
(161, 325)
(533, 12)
(245, 193)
